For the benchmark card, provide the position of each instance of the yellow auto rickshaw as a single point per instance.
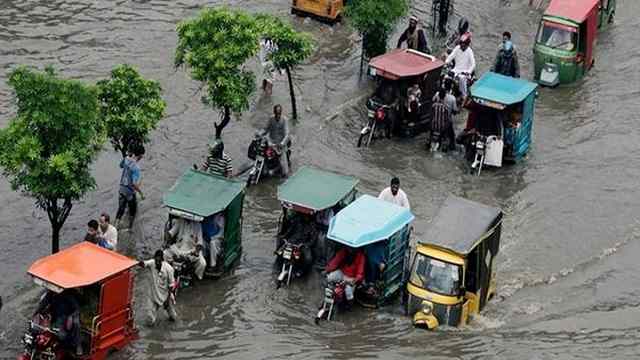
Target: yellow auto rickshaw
(452, 276)
(326, 10)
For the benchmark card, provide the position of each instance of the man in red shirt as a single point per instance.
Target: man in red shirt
(348, 266)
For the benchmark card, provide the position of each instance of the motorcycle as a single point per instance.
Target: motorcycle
(334, 297)
(41, 342)
(266, 158)
(479, 144)
(293, 261)
(378, 119)
(449, 77)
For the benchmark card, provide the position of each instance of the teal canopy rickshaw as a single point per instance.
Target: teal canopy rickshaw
(309, 199)
(209, 209)
(381, 230)
(500, 119)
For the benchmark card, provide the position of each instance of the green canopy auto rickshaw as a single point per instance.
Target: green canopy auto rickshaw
(563, 52)
(453, 271)
(203, 235)
(309, 199)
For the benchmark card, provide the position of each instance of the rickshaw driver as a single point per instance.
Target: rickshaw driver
(348, 266)
(65, 316)
(465, 63)
(162, 280)
(277, 131)
(415, 37)
(218, 162)
(188, 244)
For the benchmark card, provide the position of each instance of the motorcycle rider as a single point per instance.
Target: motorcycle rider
(348, 266)
(65, 316)
(506, 62)
(415, 37)
(277, 131)
(464, 63)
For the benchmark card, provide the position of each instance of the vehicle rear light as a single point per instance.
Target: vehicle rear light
(295, 3)
(329, 7)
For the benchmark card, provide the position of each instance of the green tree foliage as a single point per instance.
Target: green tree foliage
(130, 107)
(293, 48)
(215, 45)
(46, 150)
(375, 20)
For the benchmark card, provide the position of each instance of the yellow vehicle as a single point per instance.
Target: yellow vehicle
(329, 10)
(452, 276)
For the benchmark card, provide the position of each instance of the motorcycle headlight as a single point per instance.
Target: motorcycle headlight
(27, 339)
(427, 308)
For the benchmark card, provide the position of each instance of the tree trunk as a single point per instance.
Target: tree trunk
(57, 217)
(55, 237)
(225, 120)
(292, 95)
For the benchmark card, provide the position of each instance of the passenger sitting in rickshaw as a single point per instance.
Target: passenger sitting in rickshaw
(187, 245)
(213, 235)
(347, 265)
(61, 313)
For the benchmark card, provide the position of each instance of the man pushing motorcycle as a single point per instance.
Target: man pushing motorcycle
(277, 131)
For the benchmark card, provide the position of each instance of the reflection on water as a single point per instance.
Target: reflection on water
(567, 273)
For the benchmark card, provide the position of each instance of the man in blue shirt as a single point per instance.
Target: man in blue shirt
(130, 184)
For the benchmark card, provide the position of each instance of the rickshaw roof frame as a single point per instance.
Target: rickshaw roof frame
(403, 63)
(201, 193)
(368, 220)
(574, 10)
(460, 224)
(316, 189)
(502, 89)
(80, 265)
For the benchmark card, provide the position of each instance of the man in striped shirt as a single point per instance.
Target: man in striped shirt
(441, 120)
(218, 162)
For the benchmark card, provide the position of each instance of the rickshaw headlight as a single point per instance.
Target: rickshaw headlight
(427, 308)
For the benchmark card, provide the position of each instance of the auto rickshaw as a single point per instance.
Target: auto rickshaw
(500, 120)
(406, 81)
(453, 270)
(563, 51)
(381, 231)
(327, 10)
(204, 224)
(309, 199)
(98, 284)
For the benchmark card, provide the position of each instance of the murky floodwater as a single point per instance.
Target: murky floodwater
(568, 270)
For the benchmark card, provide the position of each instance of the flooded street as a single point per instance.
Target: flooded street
(568, 271)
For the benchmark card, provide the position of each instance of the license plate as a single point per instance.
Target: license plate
(287, 254)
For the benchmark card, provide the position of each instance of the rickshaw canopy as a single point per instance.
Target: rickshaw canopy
(315, 189)
(367, 220)
(574, 10)
(504, 90)
(202, 194)
(460, 224)
(80, 265)
(400, 63)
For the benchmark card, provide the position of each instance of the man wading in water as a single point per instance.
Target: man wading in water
(130, 184)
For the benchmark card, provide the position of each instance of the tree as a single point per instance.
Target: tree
(292, 48)
(46, 150)
(375, 20)
(215, 45)
(130, 107)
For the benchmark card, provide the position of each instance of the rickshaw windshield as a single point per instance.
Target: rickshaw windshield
(435, 275)
(558, 36)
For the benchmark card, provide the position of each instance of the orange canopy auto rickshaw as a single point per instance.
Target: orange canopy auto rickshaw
(98, 283)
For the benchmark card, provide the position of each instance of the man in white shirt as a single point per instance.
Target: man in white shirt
(465, 62)
(395, 195)
(108, 232)
(162, 280)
